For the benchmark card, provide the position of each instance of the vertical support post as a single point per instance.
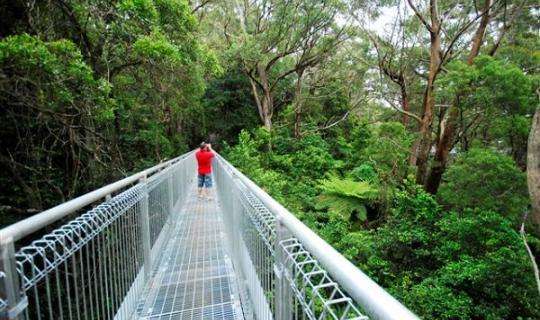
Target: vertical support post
(170, 191)
(236, 206)
(10, 289)
(145, 230)
(283, 296)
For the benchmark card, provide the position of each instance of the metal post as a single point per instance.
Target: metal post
(170, 189)
(145, 230)
(236, 208)
(10, 289)
(283, 297)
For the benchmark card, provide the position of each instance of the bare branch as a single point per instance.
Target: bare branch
(419, 15)
(410, 114)
(462, 31)
(201, 5)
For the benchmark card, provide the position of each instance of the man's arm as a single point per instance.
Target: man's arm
(212, 152)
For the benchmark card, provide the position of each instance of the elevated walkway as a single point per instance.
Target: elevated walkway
(147, 248)
(194, 278)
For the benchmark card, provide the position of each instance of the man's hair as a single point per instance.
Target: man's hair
(203, 145)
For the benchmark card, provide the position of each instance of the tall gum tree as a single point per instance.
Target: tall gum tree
(278, 39)
(447, 137)
(533, 168)
(445, 30)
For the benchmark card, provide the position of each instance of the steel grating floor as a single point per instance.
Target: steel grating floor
(194, 278)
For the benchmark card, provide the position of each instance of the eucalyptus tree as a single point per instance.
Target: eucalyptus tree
(446, 23)
(276, 40)
(447, 137)
(533, 168)
(424, 38)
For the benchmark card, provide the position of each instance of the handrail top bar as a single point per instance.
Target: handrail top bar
(38, 221)
(377, 303)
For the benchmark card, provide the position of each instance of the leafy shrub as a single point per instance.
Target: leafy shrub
(488, 180)
(451, 265)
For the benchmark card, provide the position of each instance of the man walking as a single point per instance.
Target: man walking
(204, 161)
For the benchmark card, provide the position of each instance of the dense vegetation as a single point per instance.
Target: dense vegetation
(406, 133)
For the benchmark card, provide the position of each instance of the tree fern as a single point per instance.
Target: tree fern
(344, 197)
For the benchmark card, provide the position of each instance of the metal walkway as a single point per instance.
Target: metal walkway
(145, 247)
(194, 278)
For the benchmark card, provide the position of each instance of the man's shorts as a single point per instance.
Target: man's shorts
(205, 180)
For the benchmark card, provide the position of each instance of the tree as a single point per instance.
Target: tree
(498, 93)
(438, 55)
(53, 108)
(446, 139)
(281, 38)
(112, 84)
(533, 167)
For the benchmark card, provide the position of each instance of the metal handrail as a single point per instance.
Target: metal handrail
(36, 222)
(375, 301)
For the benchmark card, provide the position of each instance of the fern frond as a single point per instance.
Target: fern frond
(346, 196)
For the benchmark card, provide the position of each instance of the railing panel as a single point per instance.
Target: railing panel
(290, 272)
(82, 270)
(93, 266)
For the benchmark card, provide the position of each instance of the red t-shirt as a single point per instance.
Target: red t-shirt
(204, 160)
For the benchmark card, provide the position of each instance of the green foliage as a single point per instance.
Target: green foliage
(297, 164)
(387, 150)
(48, 92)
(488, 180)
(364, 172)
(346, 197)
(143, 10)
(501, 92)
(113, 89)
(490, 83)
(442, 264)
(156, 47)
(449, 265)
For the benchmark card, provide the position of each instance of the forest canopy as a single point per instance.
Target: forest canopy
(405, 132)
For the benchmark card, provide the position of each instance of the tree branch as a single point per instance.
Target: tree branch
(419, 15)
(529, 251)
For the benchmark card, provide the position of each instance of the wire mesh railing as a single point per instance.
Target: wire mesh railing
(287, 271)
(94, 266)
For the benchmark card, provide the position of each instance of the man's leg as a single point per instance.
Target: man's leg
(208, 185)
(200, 185)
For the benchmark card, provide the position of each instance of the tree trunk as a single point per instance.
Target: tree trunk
(267, 110)
(404, 104)
(264, 103)
(447, 136)
(533, 168)
(478, 37)
(297, 121)
(298, 104)
(444, 145)
(424, 144)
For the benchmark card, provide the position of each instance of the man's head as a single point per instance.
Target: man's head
(205, 146)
